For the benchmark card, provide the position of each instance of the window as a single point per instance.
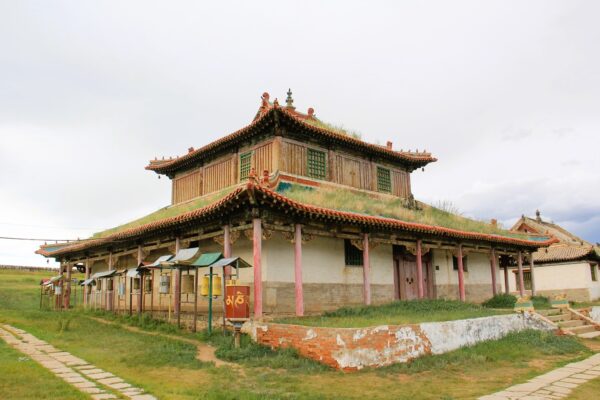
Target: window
(455, 263)
(317, 164)
(352, 255)
(594, 271)
(136, 283)
(384, 180)
(245, 165)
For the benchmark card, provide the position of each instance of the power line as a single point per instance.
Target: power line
(40, 240)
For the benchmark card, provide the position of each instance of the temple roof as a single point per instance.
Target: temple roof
(298, 198)
(271, 114)
(569, 247)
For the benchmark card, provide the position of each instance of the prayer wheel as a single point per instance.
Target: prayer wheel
(165, 284)
(237, 303)
(187, 284)
(216, 287)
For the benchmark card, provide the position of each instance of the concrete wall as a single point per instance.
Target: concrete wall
(353, 349)
(595, 314)
(572, 278)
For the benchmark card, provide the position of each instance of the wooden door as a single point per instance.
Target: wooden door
(406, 284)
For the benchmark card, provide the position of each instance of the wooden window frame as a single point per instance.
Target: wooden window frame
(316, 164)
(245, 170)
(353, 257)
(594, 272)
(384, 183)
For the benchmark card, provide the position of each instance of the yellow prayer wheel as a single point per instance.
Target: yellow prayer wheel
(204, 286)
(217, 283)
(217, 290)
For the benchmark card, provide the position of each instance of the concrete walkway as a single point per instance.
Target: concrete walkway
(555, 384)
(89, 379)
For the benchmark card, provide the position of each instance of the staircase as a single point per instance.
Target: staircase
(572, 322)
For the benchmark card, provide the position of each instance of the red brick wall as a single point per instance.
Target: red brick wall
(347, 349)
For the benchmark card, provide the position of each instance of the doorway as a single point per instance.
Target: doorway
(406, 286)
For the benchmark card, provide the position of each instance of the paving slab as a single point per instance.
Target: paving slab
(107, 381)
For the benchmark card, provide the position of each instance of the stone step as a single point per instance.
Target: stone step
(571, 323)
(559, 317)
(548, 312)
(583, 329)
(589, 335)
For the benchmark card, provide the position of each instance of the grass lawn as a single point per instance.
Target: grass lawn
(18, 372)
(168, 369)
(396, 313)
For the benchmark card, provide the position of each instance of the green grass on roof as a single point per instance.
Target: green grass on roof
(389, 207)
(166, 212)
(331, 127)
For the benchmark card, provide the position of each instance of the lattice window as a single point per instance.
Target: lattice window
(384, 180)
(352, 255)
(317, 164)
(245, 165)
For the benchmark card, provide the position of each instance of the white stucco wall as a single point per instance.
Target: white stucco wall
(323, 262)
(574, 275)
(478, 268)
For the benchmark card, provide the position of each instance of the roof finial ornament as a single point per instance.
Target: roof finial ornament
(538, 216)
(289, 101)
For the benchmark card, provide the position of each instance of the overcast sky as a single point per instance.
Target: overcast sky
(505, 93)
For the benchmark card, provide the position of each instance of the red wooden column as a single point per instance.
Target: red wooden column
(532, 273)
(366, 270)
(86, 289)
(58, 300)
(493, 260)
(506, 283)
(67, 298)
(140, 307)
(226, 274)
(298, 270)
(420, 269)
(461, 274)
(257, 252)
(177, 283)
(108, 295)
(520, 266)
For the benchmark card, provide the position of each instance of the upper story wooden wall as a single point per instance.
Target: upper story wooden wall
(296, 158)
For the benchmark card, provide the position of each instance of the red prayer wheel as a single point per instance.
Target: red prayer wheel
(237, 302)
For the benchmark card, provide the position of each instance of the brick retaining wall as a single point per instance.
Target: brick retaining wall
(351, 349)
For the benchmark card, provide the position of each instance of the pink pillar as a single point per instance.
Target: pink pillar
(493, 268)
(176, 283)
(461, 274)
(257, 252)
(506, 282)
(140, 305)
(86, 289)
(366, 270)
(532, 274)
(420, 270)
(298, 270)
(227, 249)
(520, 265)
(67, 298)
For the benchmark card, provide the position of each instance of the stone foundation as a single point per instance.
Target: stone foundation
(475, 293)
(352, 349)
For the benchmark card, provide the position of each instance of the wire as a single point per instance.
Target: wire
(41, 240)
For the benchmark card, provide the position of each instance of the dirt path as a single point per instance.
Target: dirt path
(87, 378)
(205, 352)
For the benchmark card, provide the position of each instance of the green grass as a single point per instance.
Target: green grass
(503, 300)
(395, 313)
(23, 378)
(166, 212)
(587, 391)
(388, 207)
(167, 368)
(541, 302)
(339, 129)
(516, 347)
